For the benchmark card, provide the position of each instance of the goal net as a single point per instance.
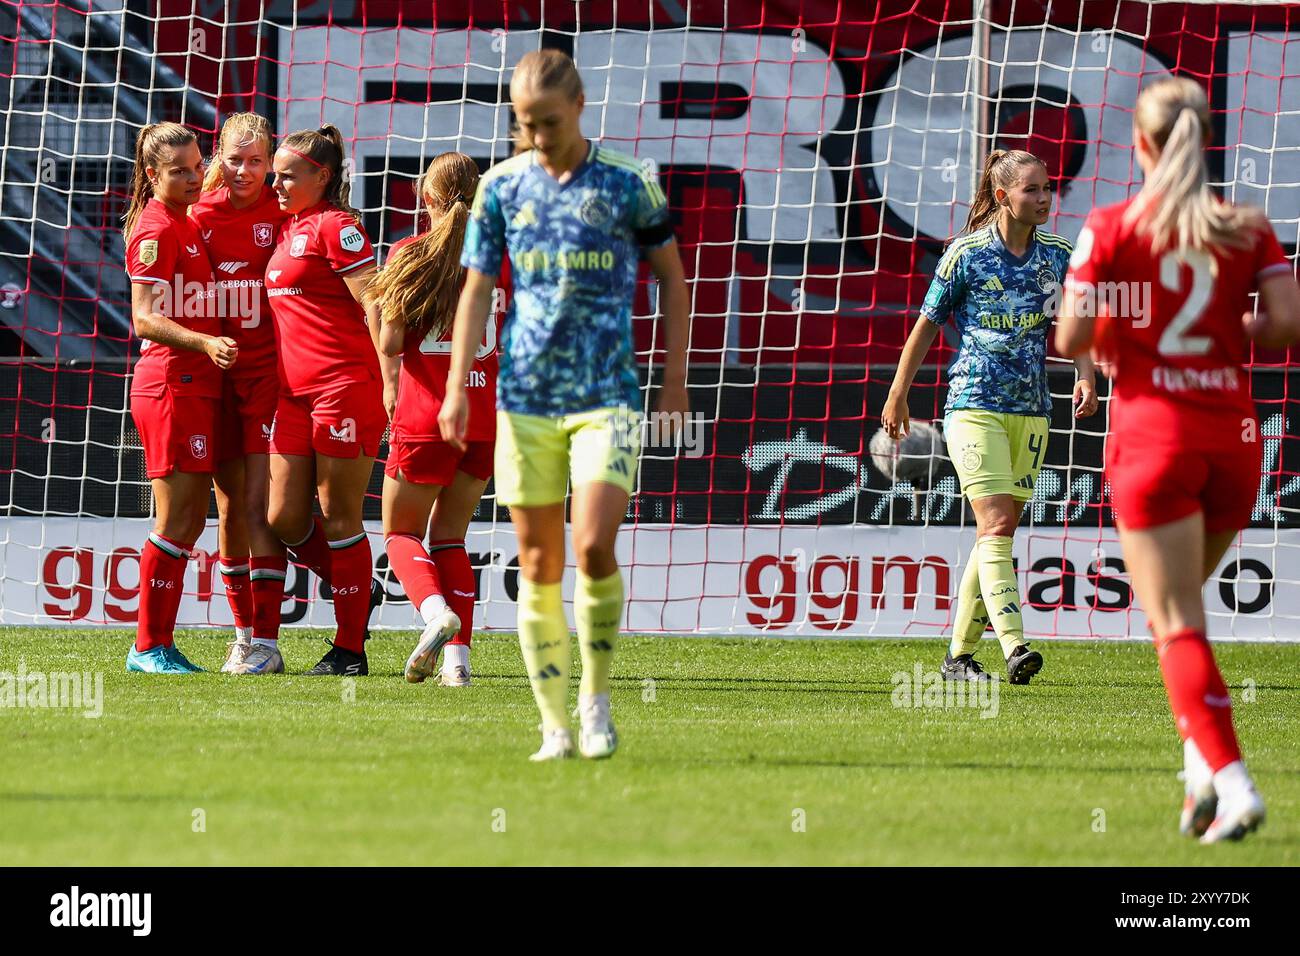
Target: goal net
(816, 156)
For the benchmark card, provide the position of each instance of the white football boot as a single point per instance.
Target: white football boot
(236, 652)
(598, 739)
(1200, 801)
(457, 676)
(423, 661)
(1241, 809)
(557, 744)
(455, 667)
(262, 659)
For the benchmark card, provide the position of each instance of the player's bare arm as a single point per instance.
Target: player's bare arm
(152, 325)
(895, 416)
(471, 321)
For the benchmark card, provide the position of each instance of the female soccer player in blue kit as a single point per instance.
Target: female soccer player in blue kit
(574, 218)
(997, 282)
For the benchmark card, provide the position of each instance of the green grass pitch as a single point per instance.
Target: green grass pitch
(733, 752)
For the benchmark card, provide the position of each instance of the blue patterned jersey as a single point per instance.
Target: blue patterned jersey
(1000, 304)
(566, 345)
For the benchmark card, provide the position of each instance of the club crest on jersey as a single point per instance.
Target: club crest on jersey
(199, 446)
(149, 251)
(298, 247)
(351, 239)
(595, 211)
(263, 233)
(1047, 279)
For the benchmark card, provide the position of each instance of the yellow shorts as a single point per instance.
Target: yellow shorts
(995, 453)
(536, 455)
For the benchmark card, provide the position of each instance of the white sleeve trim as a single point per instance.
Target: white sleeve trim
(354, 265)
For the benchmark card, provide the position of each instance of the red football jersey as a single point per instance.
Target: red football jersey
(239, 244)
(423, 384)
(1179, 344)
(165, 249)
(323, 339)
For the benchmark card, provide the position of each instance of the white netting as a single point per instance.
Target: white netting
(815, 156)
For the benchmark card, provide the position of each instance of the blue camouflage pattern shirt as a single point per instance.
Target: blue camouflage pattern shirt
(566, 345)
(1003, 306)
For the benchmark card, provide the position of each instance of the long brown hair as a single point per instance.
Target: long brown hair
(1176, 199)
(543, 71)
(149, 144)
(1001, 171)
(238, 128)
(419, 288)
(324, 147)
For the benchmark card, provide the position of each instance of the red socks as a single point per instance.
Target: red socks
(266, 576)
(415, 570)
(234, 575)
(457, 577)
(443, 569)
(313, 551)
(351, 574)
(162, 572)
(1198, 697)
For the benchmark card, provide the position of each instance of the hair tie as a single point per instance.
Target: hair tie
(302, 155)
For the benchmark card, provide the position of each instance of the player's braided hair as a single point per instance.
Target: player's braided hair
(1001, 171)
(543, 71)
(1176, 205)
(149, 144)
(324, 148)
(237, 129)
(419, 288)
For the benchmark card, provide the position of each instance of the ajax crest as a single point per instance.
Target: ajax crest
(263, 233)
(595, 211)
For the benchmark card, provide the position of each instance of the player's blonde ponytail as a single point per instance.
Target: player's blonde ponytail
(543, 71)
(1001, 171)
(238, 128)
(419, 288)
(149, 144)
(1176, 204)
(324, 149)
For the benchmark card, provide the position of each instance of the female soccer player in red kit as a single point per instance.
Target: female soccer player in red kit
(415, 300)
(330, 417)
(176, 386)
(237, 218)
(1183, 458)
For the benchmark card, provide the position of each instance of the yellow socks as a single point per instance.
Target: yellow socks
(1000, 591)
(544, 640)
(598, 612)
(971, 620)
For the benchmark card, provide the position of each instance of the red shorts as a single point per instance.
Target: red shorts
(248, 408)
(434, 462)
(177, 432)
(345, 422)
(1153, 486)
